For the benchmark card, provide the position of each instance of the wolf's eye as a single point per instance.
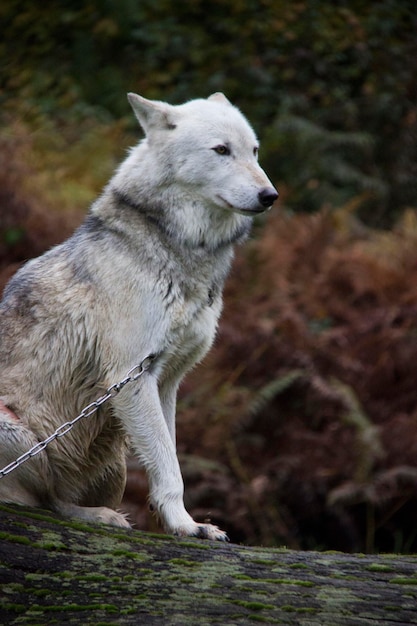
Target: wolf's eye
(255, 151)
(223, 150)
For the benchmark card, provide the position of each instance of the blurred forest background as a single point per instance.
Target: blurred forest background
(300, 427)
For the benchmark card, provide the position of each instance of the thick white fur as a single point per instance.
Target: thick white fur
(143, 275)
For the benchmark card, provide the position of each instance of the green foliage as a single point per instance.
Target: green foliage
(12, 236)
(265, 395)
(346, 63)
(327, 167)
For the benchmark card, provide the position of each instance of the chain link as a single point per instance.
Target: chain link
(112, 391)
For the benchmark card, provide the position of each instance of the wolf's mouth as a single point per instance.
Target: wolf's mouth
(256, 210)
(230, 206)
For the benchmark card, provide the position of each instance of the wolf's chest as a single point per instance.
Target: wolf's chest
(194, 312)
(184, 326)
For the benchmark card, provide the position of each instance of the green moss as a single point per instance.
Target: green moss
(245, 589)
(126, 554)
(128, 611)
(17, 608)
(289, 608)
(34, 577)
(195, 543)
(11, 587)
(160, 536)
(92, 577)
(289, 581)
(111, 608)
(379, 567)
(40, 593)
(15, 538)
(184, 563)
(51, 541)
(253, 606)
(402, 580)
(23, 525)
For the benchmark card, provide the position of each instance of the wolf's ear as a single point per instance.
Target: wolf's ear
(219, 97)
(152, 113)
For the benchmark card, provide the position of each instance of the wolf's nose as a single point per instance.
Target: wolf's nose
(267, 196)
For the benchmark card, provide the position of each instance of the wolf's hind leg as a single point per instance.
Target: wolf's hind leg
(28, 484)
(100, 498)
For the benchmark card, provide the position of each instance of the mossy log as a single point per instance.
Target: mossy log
(53, 571)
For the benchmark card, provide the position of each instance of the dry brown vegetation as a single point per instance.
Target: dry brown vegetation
(309, 397)
(300, 428)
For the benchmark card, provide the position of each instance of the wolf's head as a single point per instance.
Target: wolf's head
(207, 151)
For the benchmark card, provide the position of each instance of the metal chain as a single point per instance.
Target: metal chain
(112, 391)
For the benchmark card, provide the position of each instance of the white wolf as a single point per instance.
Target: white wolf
(143, 275)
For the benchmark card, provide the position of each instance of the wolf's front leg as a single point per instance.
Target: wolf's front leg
(143, 418)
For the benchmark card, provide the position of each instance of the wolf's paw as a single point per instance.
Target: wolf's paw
(202, 531)
(95, 514)
(108, 516)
